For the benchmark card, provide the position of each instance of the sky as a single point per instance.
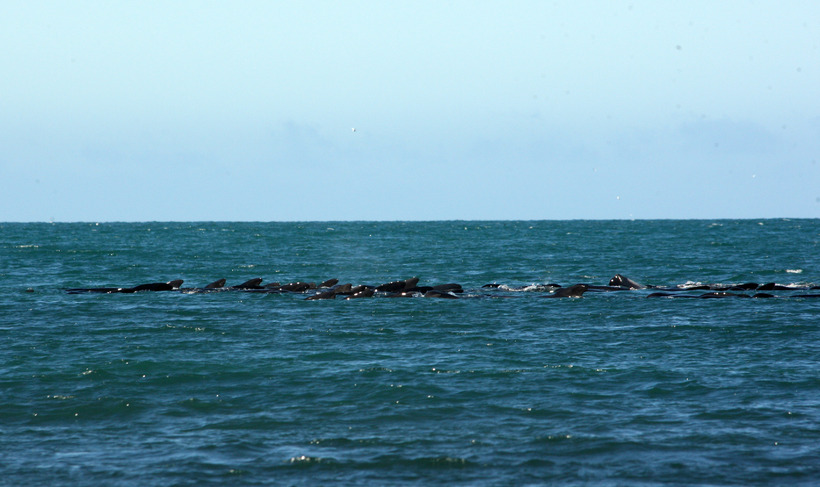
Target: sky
(415, 110)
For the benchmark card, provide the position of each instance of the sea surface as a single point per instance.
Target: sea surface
(499, 387)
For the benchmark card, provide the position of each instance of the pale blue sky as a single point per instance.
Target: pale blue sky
(133, 111)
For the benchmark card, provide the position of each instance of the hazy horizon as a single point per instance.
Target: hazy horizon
(366, 111)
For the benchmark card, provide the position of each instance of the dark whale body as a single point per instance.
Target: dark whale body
(449, 287)
(153, 286)
(574, 291)
(398, 286)
(215, 286)
(296, 287)
(218, 284)
(364, 292)
(329, 294)
(624, 282)
(249, 284)
(340, 289)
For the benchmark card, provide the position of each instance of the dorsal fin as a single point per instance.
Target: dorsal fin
(249, 284)
(574, 291)
(216, 284)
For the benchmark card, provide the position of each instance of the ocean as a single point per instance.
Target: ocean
(497, 387)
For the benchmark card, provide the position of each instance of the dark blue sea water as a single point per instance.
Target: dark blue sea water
(499, 387)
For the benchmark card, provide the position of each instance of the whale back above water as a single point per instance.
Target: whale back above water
(574, 291)
(249, 284)
(622, 281)
(397, 286)
(218, 284)
(151, 286)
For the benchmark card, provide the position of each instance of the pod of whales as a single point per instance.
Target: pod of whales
(410, 287)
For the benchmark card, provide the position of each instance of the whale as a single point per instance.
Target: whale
(329, 294)
(151, 286)
(158, 286)
(329, 283)
(447, 288)
(397, 286)
(297, 287)
(364, 292)
(451, 287)
(218, 284)
(361, 287)
(343, 289)
(215, 286)
(622, 281)
(250, 284)
(574, 291)
(771, 286)
(747, 286)
(332, 292)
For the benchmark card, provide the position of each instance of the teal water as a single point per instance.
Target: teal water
(166, 388)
